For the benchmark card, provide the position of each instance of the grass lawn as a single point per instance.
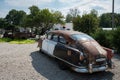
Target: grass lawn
(17, 41)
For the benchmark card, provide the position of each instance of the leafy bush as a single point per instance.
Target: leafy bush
(22, 41)
(5, 39)
(17, 41)
(116, 39)
(103, 37)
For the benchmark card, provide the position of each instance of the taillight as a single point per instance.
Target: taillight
(81, 57)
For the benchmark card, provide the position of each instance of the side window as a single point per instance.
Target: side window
(54, 38)
(62, 40)
(49, 36)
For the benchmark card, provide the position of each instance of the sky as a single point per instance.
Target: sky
(84, 6)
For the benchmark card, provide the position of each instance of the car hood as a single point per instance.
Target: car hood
(93, 48)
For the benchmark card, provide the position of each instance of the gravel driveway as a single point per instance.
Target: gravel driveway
(24, 62)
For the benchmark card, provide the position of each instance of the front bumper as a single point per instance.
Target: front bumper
(85, 70)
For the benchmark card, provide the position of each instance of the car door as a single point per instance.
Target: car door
(65, 51)
(60, 49)
(50, 43)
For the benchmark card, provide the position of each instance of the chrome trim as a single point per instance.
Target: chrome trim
(101, 59)
(90, 68)
(85, 70)
(80, 67)
(62, 59)
(113, 51)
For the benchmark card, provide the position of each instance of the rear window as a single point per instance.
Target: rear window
(62, 40)
(54, 38)
(81, 37)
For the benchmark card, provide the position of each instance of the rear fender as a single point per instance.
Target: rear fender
(110, 52)
(81, 57)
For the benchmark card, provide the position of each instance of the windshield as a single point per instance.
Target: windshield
(81, 37)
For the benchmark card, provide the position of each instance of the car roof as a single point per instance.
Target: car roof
(66, 34)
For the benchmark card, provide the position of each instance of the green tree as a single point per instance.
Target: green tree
(76, 23)
(5, 25)
(21, 18)
(117, 20)
(116, 39)
(15, 19)
(34, 10)
(94, 13)
(103, 37)
(2, 23)
(33, 20)
(58, 17)
(43, 19)
(105, 20)
(48, 19)
(73, 13)
(68, 18)
(88, 23)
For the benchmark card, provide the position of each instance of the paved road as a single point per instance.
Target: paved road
(24, 62)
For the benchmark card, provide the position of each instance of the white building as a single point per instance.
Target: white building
(66, 26)
(21, 29)
(108, 29)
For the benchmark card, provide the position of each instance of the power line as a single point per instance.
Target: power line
(83, 4)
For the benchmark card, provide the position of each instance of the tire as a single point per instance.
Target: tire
(109, 62)
(40, 50)
(62, 65)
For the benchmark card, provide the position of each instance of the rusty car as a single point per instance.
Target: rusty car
(77, 51)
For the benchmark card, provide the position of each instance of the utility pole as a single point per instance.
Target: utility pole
(113, 20)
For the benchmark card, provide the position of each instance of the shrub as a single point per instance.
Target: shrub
(17, 41)
(116, 39)
(5, 39)
(22, 41)
(103, 37)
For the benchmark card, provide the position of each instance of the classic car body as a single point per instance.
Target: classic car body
(76, 50)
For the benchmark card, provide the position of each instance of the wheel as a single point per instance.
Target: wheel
(62, 65)
(110, 63)
(40, 50)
